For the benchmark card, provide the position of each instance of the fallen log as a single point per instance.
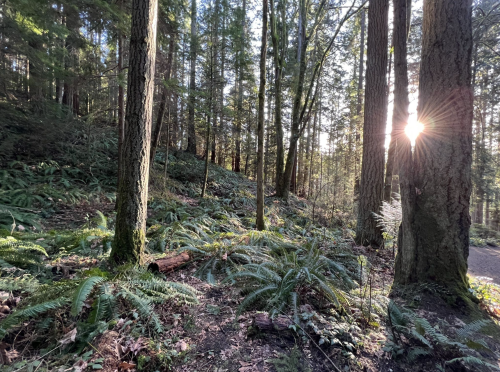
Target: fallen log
(169, 264)
(265, 323)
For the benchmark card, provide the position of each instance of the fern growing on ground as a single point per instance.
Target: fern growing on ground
(18, 253)
(281, 283)
(414, 337)
(134, 287)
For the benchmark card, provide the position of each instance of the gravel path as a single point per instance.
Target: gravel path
(485, 262)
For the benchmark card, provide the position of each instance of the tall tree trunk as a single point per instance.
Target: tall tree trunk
(165, 97)
(260, 122)
(239, 119)
(296, 109)
(359, 104)
(174, 131)
(191, 145)
(278, 66)
(218, 83)
(398, 115)
(121, 102)
(372, 167)
(130, 232)
(221, 157)
(434, 238)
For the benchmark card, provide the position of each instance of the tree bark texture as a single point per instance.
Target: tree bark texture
(375, 118)
(260, 122)
(434, 239)
(128, 245)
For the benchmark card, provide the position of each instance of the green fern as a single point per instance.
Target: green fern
(473, 361)
(25, 283)
(82, 292)
(143, 306)
(430, 340)
(20, 253)
(273, 284)
(29, 312)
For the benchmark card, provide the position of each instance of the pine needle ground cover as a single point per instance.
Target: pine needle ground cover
(296, 297)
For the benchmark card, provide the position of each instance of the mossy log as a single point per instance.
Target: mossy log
(169, 264)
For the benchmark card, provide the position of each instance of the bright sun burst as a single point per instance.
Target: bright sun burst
(413, 129)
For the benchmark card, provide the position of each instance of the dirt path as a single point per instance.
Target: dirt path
(485, 262)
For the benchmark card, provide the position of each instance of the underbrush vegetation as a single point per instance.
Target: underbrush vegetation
(62, 302)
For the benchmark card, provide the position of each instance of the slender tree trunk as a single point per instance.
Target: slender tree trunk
(372, 167)
(191, 146)
(207, 160)
(215, 129)
(121, 102)
(239, 122)
(221, 157)
(175, 106)
(399, 114)
(434, 238)
(278, 66)
(307, 165)
(359, 104)
(165, 97)
(296, 109)
(311, 164)
(260, 122)
(130, 232)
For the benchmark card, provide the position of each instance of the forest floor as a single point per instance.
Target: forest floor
(214, 335)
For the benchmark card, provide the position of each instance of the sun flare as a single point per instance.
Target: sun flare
(413, 129)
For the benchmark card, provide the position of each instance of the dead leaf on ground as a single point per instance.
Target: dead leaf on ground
(68, 337)
(126, 365)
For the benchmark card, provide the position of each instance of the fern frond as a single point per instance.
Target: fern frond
(29, 312)
(143, 307)
(82, 292)
(471, 360)
(416, 352)
(467, 330)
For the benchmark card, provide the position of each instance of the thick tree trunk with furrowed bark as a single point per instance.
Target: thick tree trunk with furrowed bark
(372, 169)
(434, 238)
(130, 231)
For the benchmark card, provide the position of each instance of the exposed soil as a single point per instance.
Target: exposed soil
(485, 262)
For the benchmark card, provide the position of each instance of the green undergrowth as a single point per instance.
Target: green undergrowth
(62, 281)
(47, 158)
(62, 293)
(482, 236)
(413, 337)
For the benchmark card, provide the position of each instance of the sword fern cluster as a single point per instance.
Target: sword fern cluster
(101, 298)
